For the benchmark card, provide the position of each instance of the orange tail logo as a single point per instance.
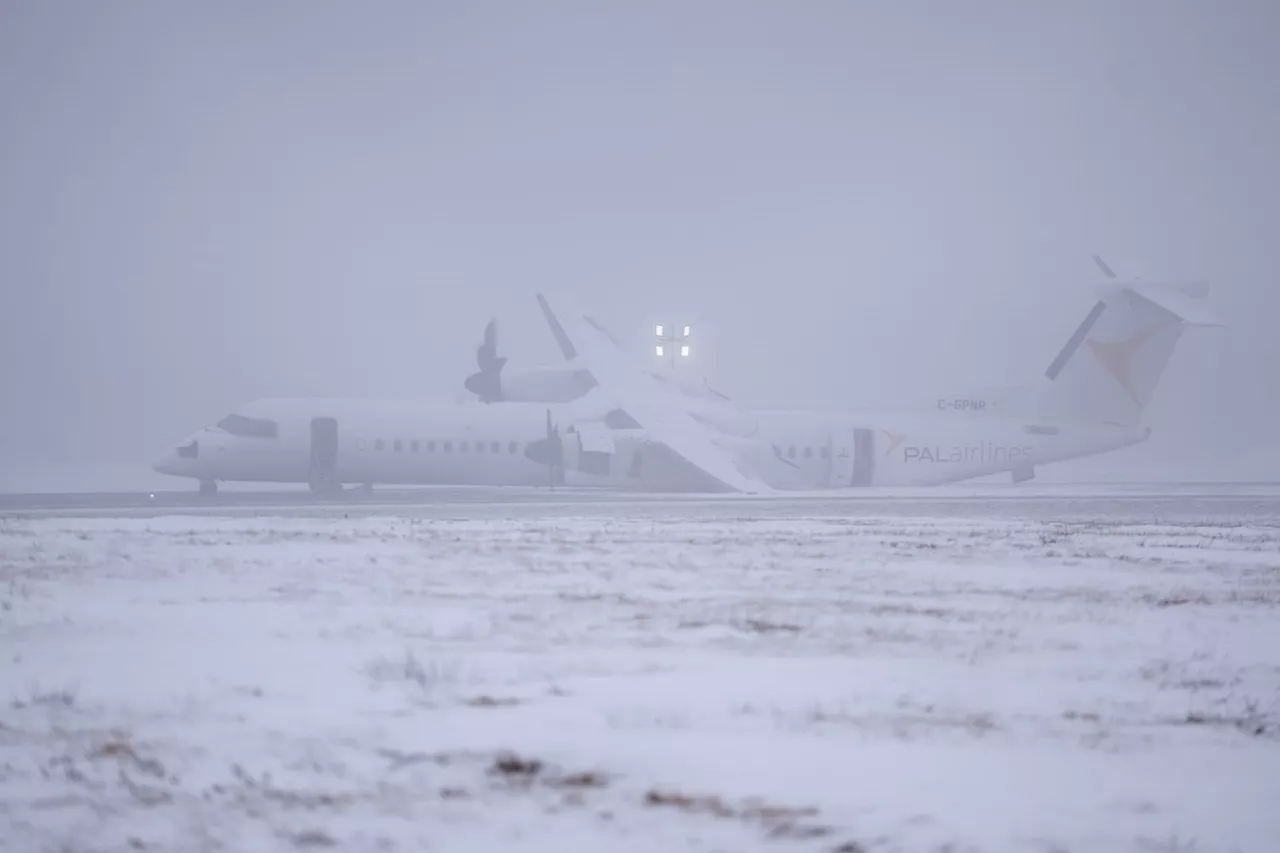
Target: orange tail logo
(1116, 358)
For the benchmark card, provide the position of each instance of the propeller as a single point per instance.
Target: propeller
(549, 451)
(487, 383)
(1102, 265)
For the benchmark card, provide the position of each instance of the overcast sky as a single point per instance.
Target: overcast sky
(204, 203)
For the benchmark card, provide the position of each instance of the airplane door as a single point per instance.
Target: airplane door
(864, 459)
(841, 458)
(324, 456)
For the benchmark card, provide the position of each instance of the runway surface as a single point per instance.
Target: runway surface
(1139, 502)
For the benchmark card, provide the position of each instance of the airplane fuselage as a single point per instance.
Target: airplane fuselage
(825, 450)
(333, 442)
(617, 423)
(359, 441)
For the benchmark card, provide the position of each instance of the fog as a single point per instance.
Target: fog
(201, 204)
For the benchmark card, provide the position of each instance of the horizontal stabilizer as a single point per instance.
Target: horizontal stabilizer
(1187, 300)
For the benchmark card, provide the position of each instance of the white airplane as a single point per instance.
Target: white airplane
(629, 429)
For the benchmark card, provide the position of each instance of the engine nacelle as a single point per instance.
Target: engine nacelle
(595, 455)
(545, 385)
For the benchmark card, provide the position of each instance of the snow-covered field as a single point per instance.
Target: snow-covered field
(561, 684)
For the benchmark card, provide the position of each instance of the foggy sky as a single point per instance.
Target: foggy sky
(201, 204)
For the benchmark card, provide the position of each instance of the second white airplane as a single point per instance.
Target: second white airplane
(622, 426)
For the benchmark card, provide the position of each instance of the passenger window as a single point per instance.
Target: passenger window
(360, 444)
(431, 446)
(414, 445)
(479, 447)
(399, 445)
(513, 447)
(808, 453)
(825, 452)
(448, 447)
(495, 447)
(377, 445)
(462, 447)
(791, 451)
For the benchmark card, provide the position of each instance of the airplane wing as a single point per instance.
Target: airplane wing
(703, 391)
(584, 341)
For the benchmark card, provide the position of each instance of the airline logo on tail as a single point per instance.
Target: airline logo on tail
(1117, 357)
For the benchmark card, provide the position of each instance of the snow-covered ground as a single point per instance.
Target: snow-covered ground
(902, 684)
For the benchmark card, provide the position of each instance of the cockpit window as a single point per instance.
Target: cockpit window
(239, 425)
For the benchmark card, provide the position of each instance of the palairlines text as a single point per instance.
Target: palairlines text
(982, 452)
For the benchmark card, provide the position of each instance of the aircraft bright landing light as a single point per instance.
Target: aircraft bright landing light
(673, 342)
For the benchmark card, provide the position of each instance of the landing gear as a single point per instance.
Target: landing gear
(208, 488)
(325, 488)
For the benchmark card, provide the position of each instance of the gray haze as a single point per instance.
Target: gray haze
(201, 204)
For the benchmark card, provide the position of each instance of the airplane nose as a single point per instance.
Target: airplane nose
(165, 464)
(178, 459)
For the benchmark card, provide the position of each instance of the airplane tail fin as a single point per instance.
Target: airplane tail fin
(1109, 369)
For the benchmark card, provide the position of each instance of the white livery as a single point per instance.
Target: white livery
(606, 420)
